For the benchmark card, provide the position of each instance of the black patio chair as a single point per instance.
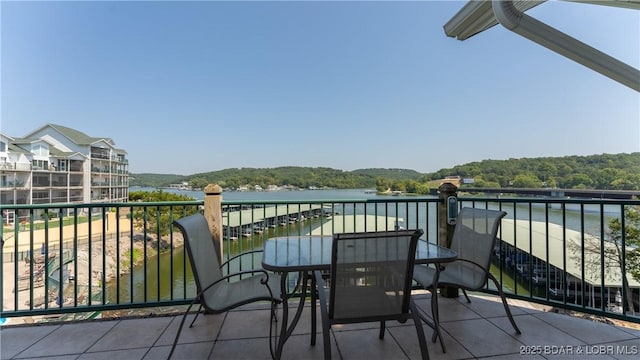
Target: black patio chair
(473, 239)
(216, 293)
(370, 280)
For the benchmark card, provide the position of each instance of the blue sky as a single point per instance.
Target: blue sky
(193, 87)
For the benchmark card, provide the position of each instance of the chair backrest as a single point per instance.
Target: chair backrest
(371, 274)
(201, 250)
(475, 234)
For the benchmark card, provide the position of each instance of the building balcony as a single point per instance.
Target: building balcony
(95, 241)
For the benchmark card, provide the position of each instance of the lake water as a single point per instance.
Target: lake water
(335, 194)
(160, 268)
(571, 217)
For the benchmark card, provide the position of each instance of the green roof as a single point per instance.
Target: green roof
(13, 147)
(76, 136)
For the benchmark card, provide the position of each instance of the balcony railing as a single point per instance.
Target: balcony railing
(82, 259)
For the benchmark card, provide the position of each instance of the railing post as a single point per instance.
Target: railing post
(213, 214)
(445, 230)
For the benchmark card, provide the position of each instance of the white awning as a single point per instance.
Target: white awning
(477, 16)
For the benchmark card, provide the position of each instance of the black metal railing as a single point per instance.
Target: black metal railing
(78, 260)
(569, 253)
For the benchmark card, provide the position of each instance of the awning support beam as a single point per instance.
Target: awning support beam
(555, 40)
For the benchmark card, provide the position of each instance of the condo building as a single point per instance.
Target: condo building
(56, 164)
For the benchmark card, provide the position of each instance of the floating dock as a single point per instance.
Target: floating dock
(245, 222)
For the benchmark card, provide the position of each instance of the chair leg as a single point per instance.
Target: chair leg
(434, 308)
(326, 327)
(195, 317)
(314, 299)
(274, 320)
(504, 302)
(184, 317)
(465, 295)
(382, 330)
(436, 319)
(418, 324)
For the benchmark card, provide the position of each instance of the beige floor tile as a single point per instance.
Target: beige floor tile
(133, 333)
(481, 337)
(14, 340)
(205, 328)
(298, 347)
(254, 349)
(536, 332)
(407, 338)
(365, 344)
(590, 332)
(490, 306)
(191, 351)
(129, 354)
(245, 324)
(450, 309)
(69, 339)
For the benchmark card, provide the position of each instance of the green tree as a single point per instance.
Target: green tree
(577, 181)
(398, 186)
(423, 189)
(629, 182)
(383, 184)
(526, 181)
(412, 186)
(605, 177)
(198, 183)
(156, 219)
(482, 183)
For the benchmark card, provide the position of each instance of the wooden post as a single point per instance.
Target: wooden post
(213, 214)
(445, 230)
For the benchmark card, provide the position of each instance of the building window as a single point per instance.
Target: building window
(40, 150)
(40, 164)
(41, 180)
(3, 146)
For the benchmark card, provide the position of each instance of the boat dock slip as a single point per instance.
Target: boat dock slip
(565, 264)
(356, 223)
(247, 221)
(565, 251)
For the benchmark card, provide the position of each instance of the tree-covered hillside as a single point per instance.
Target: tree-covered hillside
(302, 177)
(606, 171)
(392, 174)
(153, 180)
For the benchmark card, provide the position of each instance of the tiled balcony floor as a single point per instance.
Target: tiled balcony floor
(476, 330)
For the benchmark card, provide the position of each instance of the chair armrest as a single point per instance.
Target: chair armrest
(239, 273)
(264, 280)
(239, 255)
(480, 267)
